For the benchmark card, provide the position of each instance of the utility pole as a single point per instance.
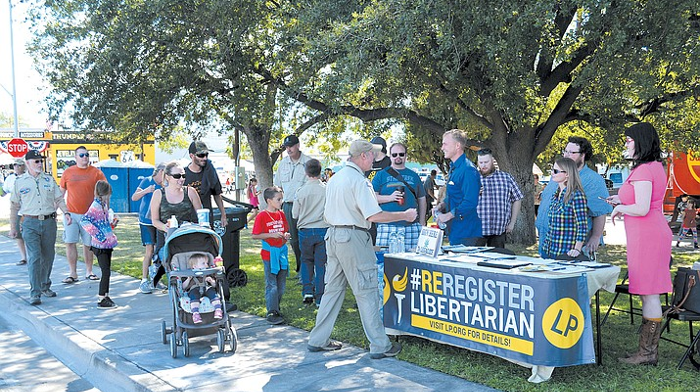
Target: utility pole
(14, 83)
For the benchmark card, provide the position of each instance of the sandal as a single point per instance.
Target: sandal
(22, 262)
(92, 277)
(69, 280)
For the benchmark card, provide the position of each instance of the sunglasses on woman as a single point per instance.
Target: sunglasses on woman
(178, 176)
(557, 171)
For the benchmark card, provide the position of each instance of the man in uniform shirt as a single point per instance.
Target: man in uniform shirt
(36, 196)
(78, 183)
(580, 150)
(351, 257)
(499, 201)
(291, 176)
(309, 204)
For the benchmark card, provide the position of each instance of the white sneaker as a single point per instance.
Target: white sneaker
(145, 287)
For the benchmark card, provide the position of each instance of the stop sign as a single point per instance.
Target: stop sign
(17, 147)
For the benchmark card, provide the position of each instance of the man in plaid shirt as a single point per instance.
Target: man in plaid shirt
(499, 202)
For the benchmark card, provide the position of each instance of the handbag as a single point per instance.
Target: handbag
(686, 292)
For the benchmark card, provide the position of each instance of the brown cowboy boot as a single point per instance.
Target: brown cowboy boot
(648, 353)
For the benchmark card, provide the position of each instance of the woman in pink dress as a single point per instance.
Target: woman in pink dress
(640, 201)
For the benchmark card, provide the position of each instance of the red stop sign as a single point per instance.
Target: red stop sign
(17, 147)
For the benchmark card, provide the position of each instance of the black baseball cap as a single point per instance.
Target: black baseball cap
(380, 140)
(33, 154)
(199, 147)
(290, 141)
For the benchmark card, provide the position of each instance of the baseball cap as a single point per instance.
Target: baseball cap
(199, 147)
(380, 140)
(19, 162)
(359, 146)
(290, 141)
(33, 154)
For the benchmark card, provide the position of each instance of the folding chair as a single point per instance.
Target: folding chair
(685, 308)
(624, 289)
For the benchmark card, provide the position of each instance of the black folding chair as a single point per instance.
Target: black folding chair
(685, 308)
(623, 288)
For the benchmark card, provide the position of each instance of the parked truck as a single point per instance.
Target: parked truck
(683, 179)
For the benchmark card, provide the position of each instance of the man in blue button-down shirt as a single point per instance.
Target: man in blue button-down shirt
(580, 150)
(463, 184)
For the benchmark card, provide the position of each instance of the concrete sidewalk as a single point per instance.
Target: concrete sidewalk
(121, 349)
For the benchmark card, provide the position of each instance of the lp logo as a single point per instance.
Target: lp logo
(563, 323)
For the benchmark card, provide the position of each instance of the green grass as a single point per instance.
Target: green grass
(619, 336)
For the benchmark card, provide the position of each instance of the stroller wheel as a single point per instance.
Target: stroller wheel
(221, 340)
(185, 344)
(173, 345)
(164, 332)
(237, 277)
(233, 339)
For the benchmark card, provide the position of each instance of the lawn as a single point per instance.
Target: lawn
(619, 336)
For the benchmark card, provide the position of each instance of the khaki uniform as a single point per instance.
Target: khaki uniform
(351, 258)
(37, 199)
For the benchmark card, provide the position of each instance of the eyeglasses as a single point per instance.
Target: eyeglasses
(398, 154)
(202, 155)
(177, 176)
(83, 155)
(557, 171)
(570, 152)
(484, 151)
(36, 160)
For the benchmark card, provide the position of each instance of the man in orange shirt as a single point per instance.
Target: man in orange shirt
(78, 185)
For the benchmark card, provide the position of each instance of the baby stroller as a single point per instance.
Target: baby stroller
(180, 245)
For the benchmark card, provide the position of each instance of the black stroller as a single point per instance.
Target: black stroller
(179, 247)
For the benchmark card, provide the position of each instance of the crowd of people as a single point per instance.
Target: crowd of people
(334, 222)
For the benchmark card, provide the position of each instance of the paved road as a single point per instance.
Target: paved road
(25, 366)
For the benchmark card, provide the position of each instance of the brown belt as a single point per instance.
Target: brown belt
(41, 217)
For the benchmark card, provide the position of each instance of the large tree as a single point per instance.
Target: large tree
(141, 68)
(514, 74)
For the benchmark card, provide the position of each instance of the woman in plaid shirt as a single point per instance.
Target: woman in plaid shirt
(566, 214)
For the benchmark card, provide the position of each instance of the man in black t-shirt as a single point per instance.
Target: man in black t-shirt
(381, 161)
(201, 175)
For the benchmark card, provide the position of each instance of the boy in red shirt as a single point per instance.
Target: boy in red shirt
(689, 224)
(272, 228)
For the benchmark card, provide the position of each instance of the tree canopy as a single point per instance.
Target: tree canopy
(518, 76)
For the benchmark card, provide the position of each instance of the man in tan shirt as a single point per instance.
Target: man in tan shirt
(309, 203)
(36, 196)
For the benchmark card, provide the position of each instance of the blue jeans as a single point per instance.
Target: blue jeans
(274, 287)
(40, 241)
(313, 265)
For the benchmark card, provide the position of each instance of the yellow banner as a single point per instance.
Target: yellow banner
(476, 335)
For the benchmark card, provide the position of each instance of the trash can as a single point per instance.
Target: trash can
(237, 217)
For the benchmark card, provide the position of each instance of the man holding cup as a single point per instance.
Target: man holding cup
(399, 189)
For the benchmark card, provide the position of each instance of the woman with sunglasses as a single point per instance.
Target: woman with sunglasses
(640, 200)
(179, 201)
(567, 213)
(173, 200)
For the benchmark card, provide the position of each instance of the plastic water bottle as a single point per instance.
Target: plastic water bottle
(401, 240)
(441, 225)
(393, 243)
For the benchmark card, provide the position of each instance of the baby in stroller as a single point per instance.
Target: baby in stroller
(198, 286)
